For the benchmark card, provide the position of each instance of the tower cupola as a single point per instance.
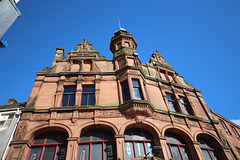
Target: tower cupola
(123, 42)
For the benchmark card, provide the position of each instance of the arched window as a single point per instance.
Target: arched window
(97, 145)
(138, 143)
(176, 147)
(207, 149)
(49, 146)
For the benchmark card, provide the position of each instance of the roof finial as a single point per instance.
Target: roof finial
(119, 23)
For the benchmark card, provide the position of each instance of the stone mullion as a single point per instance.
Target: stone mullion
(178, 103)
(165, 151)
(198, 150)
(72, 147)
(142, 89)
(120, 147)
(130, 87)
(97, 91)
(120, 92)
(78, 92)
(190, 102)
(59, 91)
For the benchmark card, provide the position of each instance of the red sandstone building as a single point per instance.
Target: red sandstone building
(88, 107)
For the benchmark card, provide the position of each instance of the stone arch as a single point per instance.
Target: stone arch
(176, 128)
(214, 143)
(147, 126)
(207, 133)
(101, 124)
(183, 134)
(46, 128)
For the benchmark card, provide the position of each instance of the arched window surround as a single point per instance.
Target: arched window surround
(48, 145)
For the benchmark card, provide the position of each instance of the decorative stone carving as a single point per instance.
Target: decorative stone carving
(193, 123)
(22, 126)
(40, 116)
(86, 115)
(109, 113)
(88, 78)
(180, 120)
(135, 108)
(161, 116)
(206, 125)
(65, 115)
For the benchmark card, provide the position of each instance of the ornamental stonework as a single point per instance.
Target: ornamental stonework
(40, 116)
(64, 115)
(133, 109)
(109, 113)
(193, 123)
(206, 125)
(21, 129)
(161, 116)
(179, 120)
(85, 114)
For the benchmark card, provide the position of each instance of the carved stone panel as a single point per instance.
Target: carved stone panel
(193, 123)
(180, 120)
(64, 115)
(161, 116)
(206, 125)
(40, 116)
(20, 132)
(86, 114)
(109, 113)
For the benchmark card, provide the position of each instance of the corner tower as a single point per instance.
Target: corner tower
(123, 46)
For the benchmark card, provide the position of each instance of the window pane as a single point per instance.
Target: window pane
(185, 109)
(88, 89)
(126, 94)
(61, 153)
(49, 153)
(108, 136)
(176, 153)
(52, 137)
(91, 100)
(184, 153)
(169, 97)
(172, 107)
(8, 122)
(149, 149)
(206, 155)
(124, 85)
(97, 135)
(137, 93)
(35, 154)
(97, 151)
(137, 135)
(71, 100)
(135, 83)
(139, 149)
(85, 137)
(63, 138)
(65, 100)
(84, 99)
(110, 151)
(213, 156)
(129, 150)
(83, 152)
(39, 139)
(69, 90)
(128, 135)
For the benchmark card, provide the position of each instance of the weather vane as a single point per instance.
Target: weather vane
(119, 23)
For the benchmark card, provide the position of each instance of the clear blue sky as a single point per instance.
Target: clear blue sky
(199, 38)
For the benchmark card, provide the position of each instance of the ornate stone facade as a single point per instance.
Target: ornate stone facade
(84, 93)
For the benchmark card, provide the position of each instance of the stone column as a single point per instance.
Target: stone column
(198, 150)
(18, 150)
(72, 147)
(78, 91)
(130, 87)
(59, 91)
(163, 144)
(120, 147)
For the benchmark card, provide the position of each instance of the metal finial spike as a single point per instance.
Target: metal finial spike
(119, 23)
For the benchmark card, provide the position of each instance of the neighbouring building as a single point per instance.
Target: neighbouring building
(9, 117)
(87, 107)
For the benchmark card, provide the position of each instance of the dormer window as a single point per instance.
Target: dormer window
(127, 44)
